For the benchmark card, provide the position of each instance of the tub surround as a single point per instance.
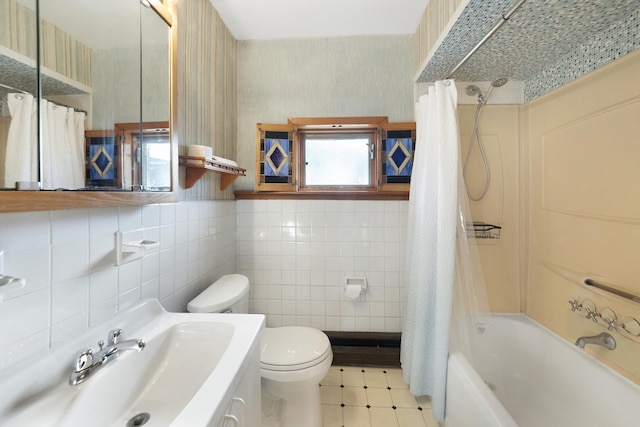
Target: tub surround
(581, 212)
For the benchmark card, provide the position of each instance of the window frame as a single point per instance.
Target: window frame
(376, 126)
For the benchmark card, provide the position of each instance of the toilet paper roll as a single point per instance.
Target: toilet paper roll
(352, 292)
(200, 151)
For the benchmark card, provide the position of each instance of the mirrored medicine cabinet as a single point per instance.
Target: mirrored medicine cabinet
(86, 103)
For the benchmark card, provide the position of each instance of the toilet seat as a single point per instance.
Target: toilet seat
(290, 348)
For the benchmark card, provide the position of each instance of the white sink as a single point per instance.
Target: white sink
(184, 375)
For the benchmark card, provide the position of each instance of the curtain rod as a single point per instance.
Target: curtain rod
(11, 88)
(504, 18)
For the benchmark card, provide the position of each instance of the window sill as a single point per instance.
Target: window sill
(322, 195)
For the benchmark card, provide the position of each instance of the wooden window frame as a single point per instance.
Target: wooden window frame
(374, 125)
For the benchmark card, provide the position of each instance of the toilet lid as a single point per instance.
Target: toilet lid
(292, 347)
(221, 295)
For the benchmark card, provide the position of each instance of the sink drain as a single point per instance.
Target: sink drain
(139, 420)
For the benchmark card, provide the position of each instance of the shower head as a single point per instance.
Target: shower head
(499, 82)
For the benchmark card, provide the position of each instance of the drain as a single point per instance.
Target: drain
(139, 420)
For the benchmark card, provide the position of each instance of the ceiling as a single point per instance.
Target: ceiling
(289, 19)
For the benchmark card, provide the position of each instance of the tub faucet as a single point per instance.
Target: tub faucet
(604, 339)
(88, 362)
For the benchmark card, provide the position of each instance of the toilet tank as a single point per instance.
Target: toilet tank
(228, 294)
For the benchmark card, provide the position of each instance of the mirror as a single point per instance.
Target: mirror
(102, 119)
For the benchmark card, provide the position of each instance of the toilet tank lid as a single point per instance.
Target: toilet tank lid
(222, 294)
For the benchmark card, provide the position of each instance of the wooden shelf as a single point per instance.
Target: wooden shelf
(198, 166)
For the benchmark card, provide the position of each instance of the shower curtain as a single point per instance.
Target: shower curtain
(62, 137)
(431, 245)
(21, 154)
(62, 147)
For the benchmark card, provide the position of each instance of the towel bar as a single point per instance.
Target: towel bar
(623, 294)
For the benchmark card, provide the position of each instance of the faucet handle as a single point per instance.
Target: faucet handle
(575, 305)
(592, 314)
(613, 325)
(84, 359)
(114, 337)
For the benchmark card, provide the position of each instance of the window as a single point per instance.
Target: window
(336, 159)
(335, 156)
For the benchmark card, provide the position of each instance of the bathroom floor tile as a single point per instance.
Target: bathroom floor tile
(331, 416)
(379, 397)
(383, 417)
(353, 378)
(334, 377)
(403, 398)
(394, 378)
(356, 416)
(375, 378)
(354, 396)
(371, 397)
(410, 417)
(331, 395)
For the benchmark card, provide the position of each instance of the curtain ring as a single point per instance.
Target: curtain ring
(18, 96)
(447, 83)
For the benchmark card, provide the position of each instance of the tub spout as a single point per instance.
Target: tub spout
(604, 339)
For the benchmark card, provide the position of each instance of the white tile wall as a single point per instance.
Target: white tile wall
(68, 260)
(297, 254)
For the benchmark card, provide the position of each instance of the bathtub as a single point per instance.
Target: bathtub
(526, 376)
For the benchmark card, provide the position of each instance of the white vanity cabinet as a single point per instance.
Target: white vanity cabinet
(242, 405)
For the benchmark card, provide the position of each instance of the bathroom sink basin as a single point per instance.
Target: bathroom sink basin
(181, 376)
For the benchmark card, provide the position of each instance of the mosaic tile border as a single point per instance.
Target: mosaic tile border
(618, 40)
(584, 34)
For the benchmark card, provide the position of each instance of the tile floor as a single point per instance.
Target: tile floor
(371, 397)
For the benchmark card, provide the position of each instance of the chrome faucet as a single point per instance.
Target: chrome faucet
(604, 339)
(88, 362)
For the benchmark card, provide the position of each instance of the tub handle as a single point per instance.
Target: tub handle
(592, 315)
(575, 305)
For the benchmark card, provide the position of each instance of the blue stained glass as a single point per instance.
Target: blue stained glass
(102, 161)
(276, 157)
(399, 156)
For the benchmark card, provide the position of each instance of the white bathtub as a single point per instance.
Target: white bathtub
(538, 379)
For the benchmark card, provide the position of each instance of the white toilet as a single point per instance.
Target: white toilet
(293, 359)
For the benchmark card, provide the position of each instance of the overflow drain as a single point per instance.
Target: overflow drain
(139, 420)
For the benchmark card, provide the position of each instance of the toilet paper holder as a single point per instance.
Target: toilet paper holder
(354, 287)
(361, 281)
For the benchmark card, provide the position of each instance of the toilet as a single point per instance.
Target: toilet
(293, 359)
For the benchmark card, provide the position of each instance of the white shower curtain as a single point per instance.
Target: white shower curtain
(62, 147)
(21, 155)
(431, 245)
(62, 162)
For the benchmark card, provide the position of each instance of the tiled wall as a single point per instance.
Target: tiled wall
(297, 254)
(68, 260)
